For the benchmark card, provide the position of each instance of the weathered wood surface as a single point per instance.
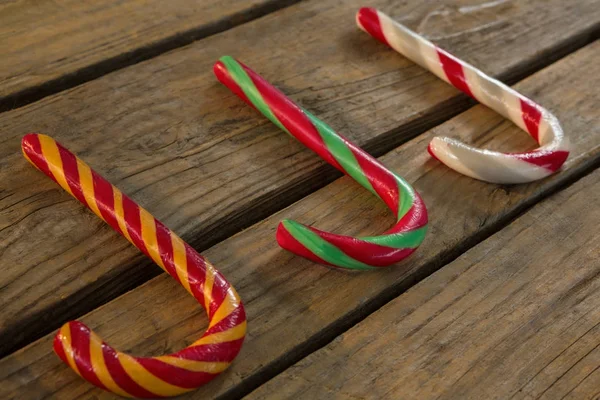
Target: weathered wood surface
(193, 154)
(295, 306)
(518, 317)
(48, 45)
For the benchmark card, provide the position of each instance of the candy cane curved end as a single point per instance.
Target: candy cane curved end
(317, 245)
(84, 351)
(486, 165)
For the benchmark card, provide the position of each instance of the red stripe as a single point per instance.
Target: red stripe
(292, 117)
(415, 218)
(219, 352)
(131, 214)
(219, 292)
(174, 375)
(367, 253)
(105, 200)
(220, 71)
(382, 180)
(367, 18)
(288, 242)
(454, 71)
(532, 116)
(59, 348)
(165, 248)
(551, 160)
(431, 153)
(196, 269)
(80, 341)
(120, 376)
(69, 162)
(236, 317)
(33, 149)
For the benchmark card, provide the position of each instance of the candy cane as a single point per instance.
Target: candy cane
(83, 350)
(491, 166)
(316, 245)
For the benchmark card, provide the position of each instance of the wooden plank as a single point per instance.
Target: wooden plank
(518, 316)
(48, 46)
(207, 165)
(295, 306)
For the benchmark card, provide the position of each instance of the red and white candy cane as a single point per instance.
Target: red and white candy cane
(486, 165)
(83, 350)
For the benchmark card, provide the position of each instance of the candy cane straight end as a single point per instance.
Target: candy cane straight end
(319, 246)
(486, 165)
(83, 350)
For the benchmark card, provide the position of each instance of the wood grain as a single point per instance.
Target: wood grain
(295, 306)
(517, 317)
(48, 46)
(207, 165)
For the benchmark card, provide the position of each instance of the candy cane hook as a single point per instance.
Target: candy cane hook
(316, 245)
(83, 350)
(486, 165)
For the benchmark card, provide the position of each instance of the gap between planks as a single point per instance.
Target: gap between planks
(290, 300)
(111, 281)
(136, 55)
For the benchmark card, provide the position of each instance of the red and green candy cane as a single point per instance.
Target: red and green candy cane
(326, 248)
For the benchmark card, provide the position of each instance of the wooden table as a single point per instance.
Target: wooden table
(502, 300)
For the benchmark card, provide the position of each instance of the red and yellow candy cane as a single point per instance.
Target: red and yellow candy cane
(324, 247)
(83, 350)
(490, 166)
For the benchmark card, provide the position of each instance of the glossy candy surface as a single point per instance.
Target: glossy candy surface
(83, 350)
(486, 165)
(319, 246)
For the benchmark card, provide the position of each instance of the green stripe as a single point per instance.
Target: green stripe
(321, 247)
(244, 81)
(401, 240)
(406, 197)
(340, 151)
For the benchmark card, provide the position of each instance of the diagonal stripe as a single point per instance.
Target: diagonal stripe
(149, 236)
(209, 280)
(121, 377)
(180, 261)
(165, 248)
(120, 214)
(146, 379)
(65, 338)
(52, 155)
(87, 186)
(454, 71)
(237, 332)
(100, 369)
(232, 301)
(245, 83)
(411, 239)
(80, 336)
(338, 147)
(321, 247)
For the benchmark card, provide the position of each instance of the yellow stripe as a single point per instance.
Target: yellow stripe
(180, 261)
(148, 380)
(195, 366)
(208, 284)
(229, 304)
(65, 339)
(120, 213)
(237, 332)
(87, 186)
(99, 366)
(149, 236)
(52, 156)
